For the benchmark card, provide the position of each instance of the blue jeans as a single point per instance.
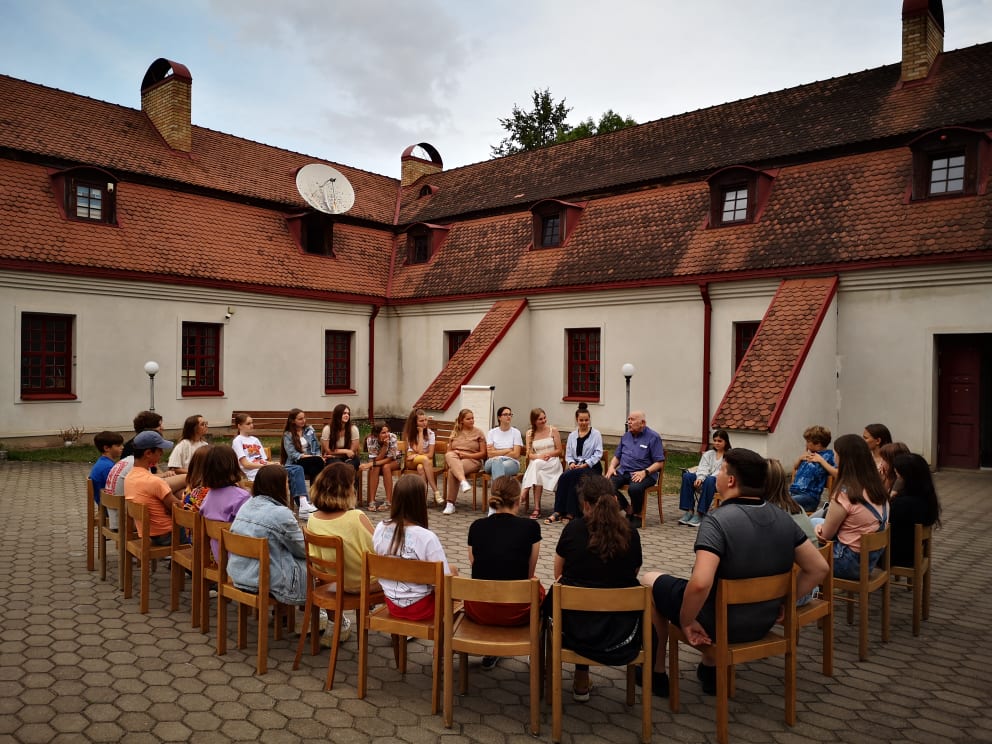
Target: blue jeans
(297, 481)
(847, 561)
(808, 501)
(687, 494)
(502, 465)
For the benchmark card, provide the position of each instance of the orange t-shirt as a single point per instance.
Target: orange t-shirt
(142, 487)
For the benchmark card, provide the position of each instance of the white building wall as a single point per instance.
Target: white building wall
(272, 358)
(887, 325)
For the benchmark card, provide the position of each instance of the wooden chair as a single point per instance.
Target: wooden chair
(465, 636)
(255, 548)
(655, 489)
(919, 574)
(441, 471)
(92, 531)
(141, 549)
(110, 500)
(820, 610)
(411, 572)
(211, 529)
(186, 557)
(743, 591)
(323, 575)
(637, 598)
(868, 582)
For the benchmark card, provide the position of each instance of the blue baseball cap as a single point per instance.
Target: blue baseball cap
(151, 439)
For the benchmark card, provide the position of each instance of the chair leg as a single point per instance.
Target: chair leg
(363, 654)
(261, 666)
(463, 674)
(886, 605)
(303, 632)
(790, 686)
(827, 628)
(221, 625)
(673, 672)
(332, 664)
(128, 575)
(145, 583)
(436, 682)
(722, 703)
(177, 582)
(101, 550)
(863, 625)
(925, 607)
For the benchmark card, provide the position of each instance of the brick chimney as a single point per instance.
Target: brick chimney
(166, 100)
(413, 167)
(922, 37)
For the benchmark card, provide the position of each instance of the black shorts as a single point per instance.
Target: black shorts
(669, 593)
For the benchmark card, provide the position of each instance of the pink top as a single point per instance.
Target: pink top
(859, 521)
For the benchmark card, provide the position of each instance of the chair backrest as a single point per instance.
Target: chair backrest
(138, 514)
(109, 500)
(870, 543)
(190, 521)
(183, 518)
(827, 585)
(212, 530)
(256, 548)
(483, 590)
(748, 591)
(320, 569)
(922, 544)
(392, 568)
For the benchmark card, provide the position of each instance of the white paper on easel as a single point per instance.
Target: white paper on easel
(479, 400)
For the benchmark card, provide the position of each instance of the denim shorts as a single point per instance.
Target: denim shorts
(847, 561)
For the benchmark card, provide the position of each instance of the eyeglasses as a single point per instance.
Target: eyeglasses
(506, 413)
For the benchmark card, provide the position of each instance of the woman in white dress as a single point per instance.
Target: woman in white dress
(543, 445)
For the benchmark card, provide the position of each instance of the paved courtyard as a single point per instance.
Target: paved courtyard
(79, 663)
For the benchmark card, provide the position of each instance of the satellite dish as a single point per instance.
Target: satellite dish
(325, 189)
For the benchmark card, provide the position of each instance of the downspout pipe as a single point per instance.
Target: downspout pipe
(704, 293)
(375, 312)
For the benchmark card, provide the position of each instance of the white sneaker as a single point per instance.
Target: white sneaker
(449, 509)
(466, 487)
(325, 640)
(305, 506)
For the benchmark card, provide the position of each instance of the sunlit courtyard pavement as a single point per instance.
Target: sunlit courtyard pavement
(80, 663)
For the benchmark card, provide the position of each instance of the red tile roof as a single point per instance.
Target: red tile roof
(770, 129)
(760, 389)
(441, 393)
(75, 129)
(183, 238)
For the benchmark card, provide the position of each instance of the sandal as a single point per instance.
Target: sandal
(372, 507)
(553, 519)
(536, 514)
(385, 506)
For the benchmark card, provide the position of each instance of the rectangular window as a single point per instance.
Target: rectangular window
(317, 235)
(337, 361)
(947, 174)
(743, 336)
(89, 202)
(420, 249)
(200, 359)
(455, 339)
(551, 230)
(46, 356)
(734, 204)
(583, 363)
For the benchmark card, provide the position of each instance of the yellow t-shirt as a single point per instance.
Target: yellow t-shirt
(356, 539)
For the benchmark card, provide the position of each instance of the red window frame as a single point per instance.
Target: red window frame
(200, 359)
(46, 356)
(337, 362)
(94, 204)
(584, 350)
(744, 333)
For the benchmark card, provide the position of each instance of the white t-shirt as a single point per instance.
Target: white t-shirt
(325, 436)
(499, 439)
(182, 453)
(419, 544)
(251, 448)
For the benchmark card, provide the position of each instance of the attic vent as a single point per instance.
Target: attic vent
(427, 190)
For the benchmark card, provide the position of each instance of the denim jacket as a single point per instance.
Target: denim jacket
(293, 455)
(262, 516)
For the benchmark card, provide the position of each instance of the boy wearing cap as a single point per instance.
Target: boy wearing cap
(144, 487)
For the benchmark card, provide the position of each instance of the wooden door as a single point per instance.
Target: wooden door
(958, 412)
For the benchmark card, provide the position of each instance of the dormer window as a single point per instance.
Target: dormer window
(87, 194)
(950, 162)
(554, 222)
(738, 195)
(427, 190)
(313, 233)
(423, 240)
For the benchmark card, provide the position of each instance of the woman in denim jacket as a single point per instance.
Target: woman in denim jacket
(267, 514)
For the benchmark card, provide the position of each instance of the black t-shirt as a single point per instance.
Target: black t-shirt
(752, 538)
(501, 546)
(905, 512)
(585, 568)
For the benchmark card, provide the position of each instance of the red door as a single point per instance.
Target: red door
(958, 415)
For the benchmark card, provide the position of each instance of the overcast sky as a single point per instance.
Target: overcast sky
(357, 82)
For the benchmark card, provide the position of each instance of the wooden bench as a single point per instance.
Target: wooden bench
(273, 423)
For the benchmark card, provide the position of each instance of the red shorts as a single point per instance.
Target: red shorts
(422, 609)
(496, 613)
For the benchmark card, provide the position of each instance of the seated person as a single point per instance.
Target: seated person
(110, 445)
(917, 503)
(420, 443)
(503, 446)
(703, 480)
(636, 462)
(384, 459)
(143, 487)
(339, 439)
(812, 468)
(745, 538)
(221, 475)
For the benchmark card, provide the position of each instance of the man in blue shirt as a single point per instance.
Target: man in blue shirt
(635, 464)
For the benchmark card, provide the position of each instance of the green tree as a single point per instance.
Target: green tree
(545, 125)
(610, 121)
(528, 130)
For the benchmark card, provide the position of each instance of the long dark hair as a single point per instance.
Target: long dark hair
(273, 482)
(879, 432)
(722, 433)
(221, 468)
(856, 472)
(609, 532)
(411, 432)
(409, 506)
(189, 426)
(338, 428)
(918, 484)
(293, 431)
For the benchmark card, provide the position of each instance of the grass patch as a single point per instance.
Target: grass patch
(674, 463)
